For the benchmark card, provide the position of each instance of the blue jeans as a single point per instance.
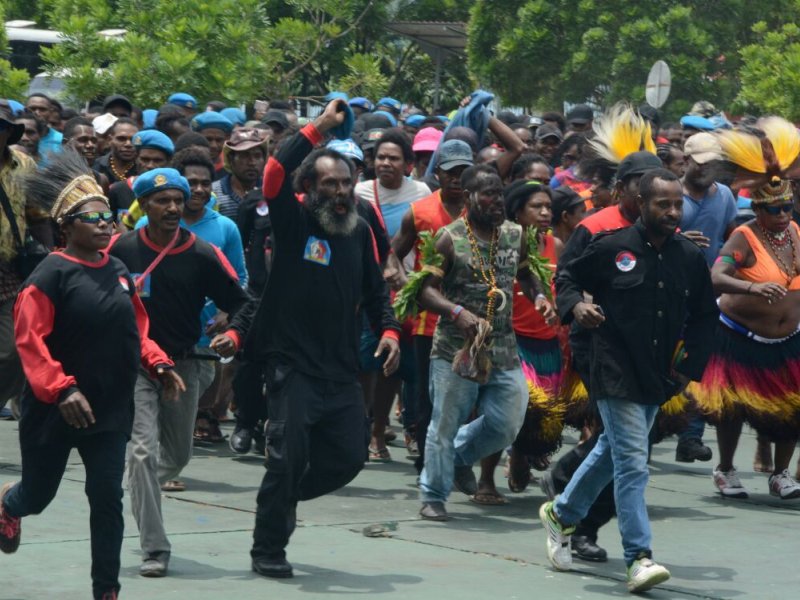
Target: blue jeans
(501, 407)
(694, 430)
(620, 455)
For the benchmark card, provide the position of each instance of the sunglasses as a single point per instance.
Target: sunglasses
(776, 210)
(92, 217)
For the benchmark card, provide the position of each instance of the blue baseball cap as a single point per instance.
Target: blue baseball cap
(361, 102)
(347, 148)
(394, 105)
(211, 120)
(152, 138)
(183, 99)
(454, 153)
(234, 115)
(415, 120)
(157, 180)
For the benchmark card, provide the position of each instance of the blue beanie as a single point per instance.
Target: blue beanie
(234, 115)
(152, 138)
(149, 118)
(211, 120)
(183, 99)
(157, 180)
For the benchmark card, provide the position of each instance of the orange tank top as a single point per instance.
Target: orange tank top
(528, 321)
(766, 268)
(429, 215)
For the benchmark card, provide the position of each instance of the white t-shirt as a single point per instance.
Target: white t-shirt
(393, 204)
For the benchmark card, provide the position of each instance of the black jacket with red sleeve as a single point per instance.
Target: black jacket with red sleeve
(80, 326)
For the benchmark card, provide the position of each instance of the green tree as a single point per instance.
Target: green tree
(13, 82)
(770, 74)
(543, 52)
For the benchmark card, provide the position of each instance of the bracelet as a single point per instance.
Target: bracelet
(457, 310)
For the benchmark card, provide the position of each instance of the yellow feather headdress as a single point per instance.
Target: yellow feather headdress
(763, 160)
(619, 132)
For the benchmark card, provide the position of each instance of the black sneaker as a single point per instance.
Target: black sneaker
(276, 567)
(692, 449)
(241, 439)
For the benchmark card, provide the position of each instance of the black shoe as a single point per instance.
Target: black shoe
(464, 480)
(586, 548)
(547, 485)
(279, 567)
(691, 450)
(259, 440)
(241, 439)
(434, 511)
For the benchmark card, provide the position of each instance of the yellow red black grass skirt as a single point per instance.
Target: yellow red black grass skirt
(754, 381)
(544, 419)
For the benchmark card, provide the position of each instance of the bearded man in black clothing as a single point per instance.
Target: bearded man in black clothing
(324, 272)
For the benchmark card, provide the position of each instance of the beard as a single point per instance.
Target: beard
(332, 222)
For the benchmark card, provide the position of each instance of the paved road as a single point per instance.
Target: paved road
(713, 547)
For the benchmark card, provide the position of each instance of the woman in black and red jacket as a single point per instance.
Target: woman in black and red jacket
(81, 333)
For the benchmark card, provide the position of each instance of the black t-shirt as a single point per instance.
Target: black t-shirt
(175, 292)
(94, 337)
(120, 198)
(309, 313)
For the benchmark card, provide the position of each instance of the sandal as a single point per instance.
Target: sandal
(173, 485)
(487, 498)
(379, 454)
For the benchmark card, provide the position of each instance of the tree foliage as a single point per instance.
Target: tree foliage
(13, 82)
(574, 50)
(770, 74)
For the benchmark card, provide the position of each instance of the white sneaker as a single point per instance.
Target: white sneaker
(729, 485)
(643, 574)
(559, 551)
(784, 486)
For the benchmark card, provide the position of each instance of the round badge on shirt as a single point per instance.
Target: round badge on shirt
(262, 209)
(625, 261)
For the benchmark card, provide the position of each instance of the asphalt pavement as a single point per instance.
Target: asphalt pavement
(714, 548)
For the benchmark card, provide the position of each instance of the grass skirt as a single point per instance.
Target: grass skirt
(542, 366)
(753, 381)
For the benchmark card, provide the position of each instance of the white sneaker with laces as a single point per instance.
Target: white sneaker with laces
(784, 486)
(643, 574)
(728, 484)
(559, 550)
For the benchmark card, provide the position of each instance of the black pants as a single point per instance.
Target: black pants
(603, 508)
(316, 440)
(103, 456)
(422, 352)
(248, 384)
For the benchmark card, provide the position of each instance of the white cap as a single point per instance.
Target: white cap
(103, 123)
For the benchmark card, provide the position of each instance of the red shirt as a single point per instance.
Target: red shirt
(429, 215)
(526, 319)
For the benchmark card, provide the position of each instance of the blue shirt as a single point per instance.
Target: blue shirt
(51, 142)
(712, 215)
(219, 230)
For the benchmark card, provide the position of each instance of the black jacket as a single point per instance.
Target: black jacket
(653, 300)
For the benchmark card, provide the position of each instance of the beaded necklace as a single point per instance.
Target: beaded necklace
(487, 273)
(777, 241)
(112, 164)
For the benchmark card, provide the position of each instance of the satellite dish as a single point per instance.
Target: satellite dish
(659, 82)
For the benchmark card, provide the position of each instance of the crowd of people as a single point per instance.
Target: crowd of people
(496, 277)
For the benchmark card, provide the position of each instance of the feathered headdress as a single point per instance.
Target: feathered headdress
(619, 132)
(765, 160)
(63, 185)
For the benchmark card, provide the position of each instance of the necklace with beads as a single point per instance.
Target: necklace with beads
(487, 273)
(112, 164)
(776, 241)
